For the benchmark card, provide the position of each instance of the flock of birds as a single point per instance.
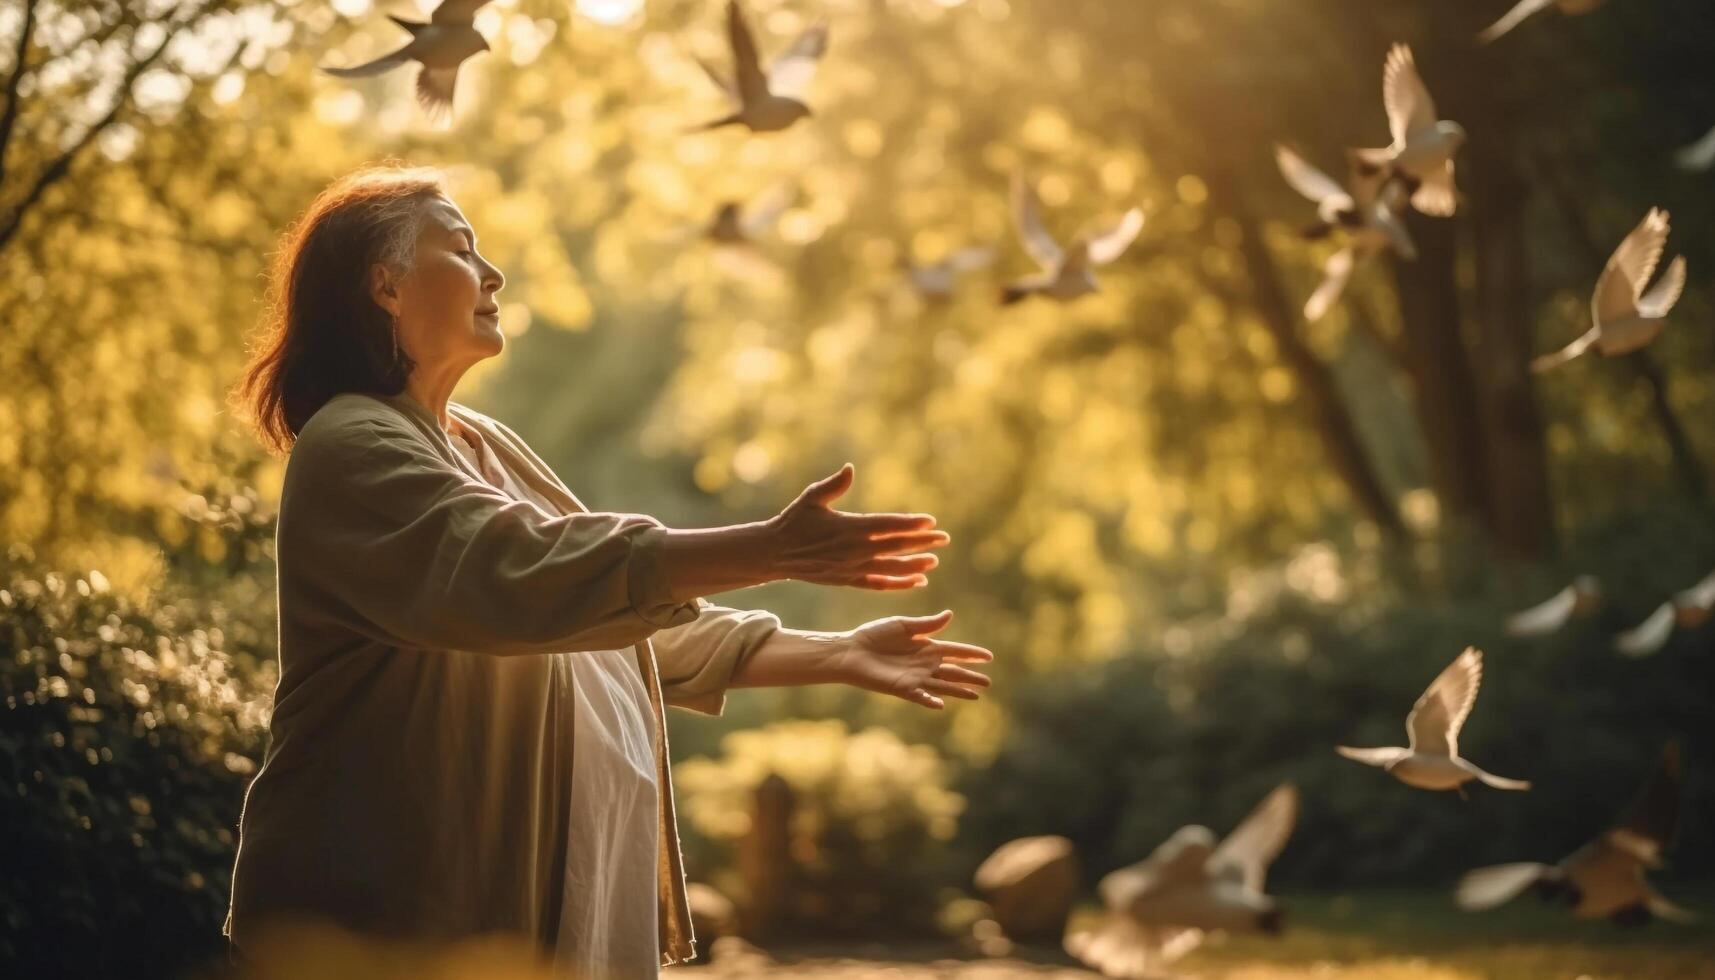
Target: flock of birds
(1159, 908)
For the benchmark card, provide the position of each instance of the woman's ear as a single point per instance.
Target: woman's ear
(384, 287)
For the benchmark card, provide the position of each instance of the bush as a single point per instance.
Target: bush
(872, 815)
(127, 734)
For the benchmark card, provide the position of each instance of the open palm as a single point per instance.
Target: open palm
(898, 656)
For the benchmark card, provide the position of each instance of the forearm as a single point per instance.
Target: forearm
(794, 658)
(697, 562)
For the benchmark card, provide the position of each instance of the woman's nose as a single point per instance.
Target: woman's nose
(492, 278)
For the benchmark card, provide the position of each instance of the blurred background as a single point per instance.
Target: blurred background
(1206, 539)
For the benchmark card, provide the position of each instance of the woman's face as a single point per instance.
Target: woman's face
(444, 304)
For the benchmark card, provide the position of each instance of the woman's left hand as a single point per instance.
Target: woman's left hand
(898, 656)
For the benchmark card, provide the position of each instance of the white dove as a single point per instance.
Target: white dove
(1623, 316)
(1604, 878)
(1688, 609)
(1527, 8)
(935, 281)
(1159, 908)
(1699, 156)
(440, 46)
(768, 101)
(1421, 155)
(1580, 598)
(1070, 273)
(1432, 761)
(1365, 214)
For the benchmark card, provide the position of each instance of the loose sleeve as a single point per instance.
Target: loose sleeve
(406, 549)
(697, 660)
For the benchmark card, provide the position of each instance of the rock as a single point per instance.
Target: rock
(1031, 883)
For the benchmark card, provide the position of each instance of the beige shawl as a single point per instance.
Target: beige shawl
(417, 776)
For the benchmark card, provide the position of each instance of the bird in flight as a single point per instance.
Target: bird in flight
(1624, 317)
(768, 100)
(1604, 879)
(1421, 155)
(1158, 909)
(1525, 9)
(1688, 609)
(1068, 273)
(1367, 216)
(1580, 598)
(440, 46)
(1432, 761)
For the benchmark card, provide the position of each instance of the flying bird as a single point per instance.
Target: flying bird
(738, 223)
(1699, 156)
(771, 100)
(1604, 878)
(1069, 273)
(1159, 908)
(1524, 9)
(1432, 761)
(935, 281)
(1688, 609)
(1580, 598)
(1421, 155)
(1366, 215)
(440, 46)
(1624, 317)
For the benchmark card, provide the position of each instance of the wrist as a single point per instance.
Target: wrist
(793, 658)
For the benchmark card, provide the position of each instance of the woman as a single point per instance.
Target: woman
(468, 733)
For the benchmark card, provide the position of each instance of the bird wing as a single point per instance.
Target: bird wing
(1120, 946)
(435, 91)
(1630, 269)
(1027, 214)
(1399, 238)
(1490, 779)
(1437, 195)
(969, 259)
(1336, 273)
(1701, 595)
(384, 63)
(790, 74)
(1699, 156)
(1661, 908)
(1513, 18)
(761, 215)
(456, 11)
(1486, 888)
(1648, 636)
(1549, 362)
(715, 76)
(1544, 617)
(1107, 244)
(1409, 106)
(746, 65)
(1253, 845)
(1308, 180)
(1434, 722)
(1656, 303)
(1647, 827)
(1374, 757)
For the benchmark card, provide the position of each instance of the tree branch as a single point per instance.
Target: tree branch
(10, 116)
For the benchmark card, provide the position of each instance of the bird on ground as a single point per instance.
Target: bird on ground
(1624, 317)
(1159, 909)
(1421, 155)
(1688, 609)
(1604, 879)
(1580, 598)
(935, 281)
(1699, 156)
(1069, 273)
(767, 100)
(440, 46)
(1367, 214)
(1432, 761)
(1525, 9)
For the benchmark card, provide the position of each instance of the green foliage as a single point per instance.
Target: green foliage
(872, 816)
(127, 733)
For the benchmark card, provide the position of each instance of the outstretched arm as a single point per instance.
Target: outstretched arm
(895, 655)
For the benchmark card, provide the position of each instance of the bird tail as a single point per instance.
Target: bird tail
(714, 124)
(1014, 294)
(414, 26)
(1485, 888)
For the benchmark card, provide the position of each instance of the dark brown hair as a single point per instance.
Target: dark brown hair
(323, 334)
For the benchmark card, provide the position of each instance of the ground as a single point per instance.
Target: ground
(1371, 936)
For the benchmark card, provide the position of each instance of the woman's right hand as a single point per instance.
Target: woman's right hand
(812, 542)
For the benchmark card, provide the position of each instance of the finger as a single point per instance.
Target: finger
(962, 652)
(950, 690)
(882, 525)
(911, 565)
(962, 675)
(890, 583)
(924, 698)
(904, 544)
(926, 625)
(828, 489)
